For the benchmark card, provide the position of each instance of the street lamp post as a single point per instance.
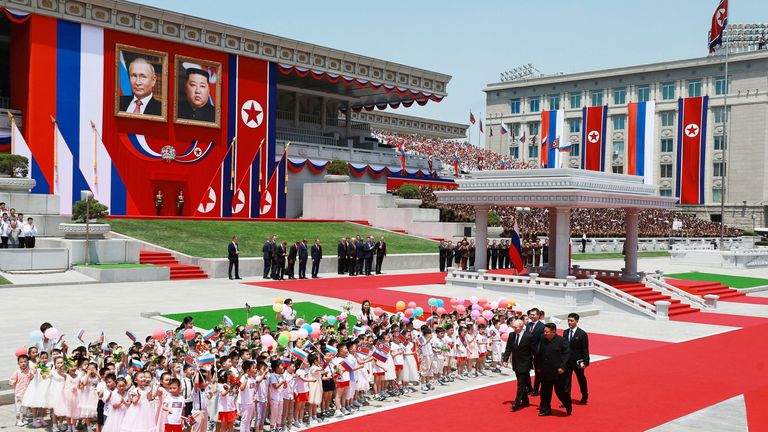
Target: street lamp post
(87, 195)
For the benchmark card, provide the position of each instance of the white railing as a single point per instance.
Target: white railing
(627, 299)
(586, 272)
(656, 281)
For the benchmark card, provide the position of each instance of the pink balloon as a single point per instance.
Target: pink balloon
(158, 334)
(488, 315)
(477, 307)
(454, 301)
(504, 336)
(494, 305)
(475, 313)
(473, 299)
(343, 316)
(21, 351)
(267, 340)
(316, 333)
(408, 312)
(412, 305)
(316, 326)
(481, 321)
(461, 309)
(440, 311)
(503, 328)
(52, 333)
(303, 333)
(482, 301)
(460, 300)
(189, 334)
(502, 301)
(378, 311)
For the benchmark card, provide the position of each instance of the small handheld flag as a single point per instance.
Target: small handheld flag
(347, 367)
(399, 336)
(131, 336)
(80, 333)
(285, 361)
(206, 359)
(331, 350)
(190, 360)
(299, 353)
(378, 355)
(422, 341)
(209, 334)
(136, 364)
(364, 349)
(227, 321)
(381, 346)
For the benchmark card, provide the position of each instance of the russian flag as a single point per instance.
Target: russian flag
(331, 350)
(503, 129)
(227, 321)
(209, 334)
(401, 149)
(206, 359)
(136, 364)
(299, 353)
(378, 355)
(80, 333)
(456, 162)
(131, 336)
(347, 367)
(285, 361)
(640, 140)
(551, 128)
(516, 251)
(422, 341)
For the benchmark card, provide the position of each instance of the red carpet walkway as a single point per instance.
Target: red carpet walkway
(748, 300)
(721, 319)
(633, 392)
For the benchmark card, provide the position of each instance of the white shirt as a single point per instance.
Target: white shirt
(5, 227)
(571, 334)
(29, 230)
(247, 394)
(301, 385)
(144, 101)
(173, 408)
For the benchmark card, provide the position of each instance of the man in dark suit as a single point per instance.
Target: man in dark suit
(317, 255)
(551, 360)
(536, 329)
(234, 258)
(292, 259)
(359, 256)
(449, 254)
(303, 257)
(266, 252)
(352, 256)
(278, 261)
(381, 252)
(578, 343)
(142, 78)
(494, 255)
(520, 348)
(196, 104)
(341, 255)
(442, 254)
(368, 249)
(472, 251)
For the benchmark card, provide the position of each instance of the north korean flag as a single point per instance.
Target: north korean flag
(719, 21)
(593, 137)
(691, 149)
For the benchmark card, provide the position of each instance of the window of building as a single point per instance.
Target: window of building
(618, 147)
(719, 114)
(596, 97)
(694, 88)
(515, 129)
(618, 169)
(721, 86)
(554, 102)
(533, 151)
(575, 99)
(514, 152)
(620, 96)
(533, 104)
(533, 129)
(668, 91)
(575, 149)
(665, 192)
(619, 122)
(574, 125)
(666, 170)
(720, 142)
(717, 195)
(514, 106)
(667, 145)
(643, 93)
(667, 118)
(719, 169)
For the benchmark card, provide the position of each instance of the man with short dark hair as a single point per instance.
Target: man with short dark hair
(341, 256)
(352, 256)
(197, 102)
(292, 252)
(578, 361)
(30, 233)
(266, 252)
(234, 258)
(317, 255)
(441, 249)
(303, 257)
(381, 252)
(551, 359)
(536, 329)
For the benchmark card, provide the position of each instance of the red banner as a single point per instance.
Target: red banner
(691, 149)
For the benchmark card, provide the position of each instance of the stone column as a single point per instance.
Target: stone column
(562, 241)
(323, 114)
(551, 258)
(481, 237)
(296, 109)
(630, 244)
(348, 119)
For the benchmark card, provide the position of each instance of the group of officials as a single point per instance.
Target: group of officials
(355, 255)
(280, 259)
(462, 254)
(554, 359)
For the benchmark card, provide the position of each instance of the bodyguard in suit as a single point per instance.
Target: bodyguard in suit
(472, 248)
(266, 252)
(520, 350)
(369, 250)
(381, 252)
(352, 256)
(536, 329)
(341, 255)
(578, 361)
(278, 261)
(317, 255)
(292, 259)
(494, 255)
(359, 256)
(449, 254)
(551, 361)
(442, 254)
(303, 257)
(234, 258)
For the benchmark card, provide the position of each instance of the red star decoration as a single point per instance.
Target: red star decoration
(252, 113)
(207, 200)
(692, 130)
(236, 199)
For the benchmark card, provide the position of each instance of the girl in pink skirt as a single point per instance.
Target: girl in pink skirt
(140, 416)
(119, 401)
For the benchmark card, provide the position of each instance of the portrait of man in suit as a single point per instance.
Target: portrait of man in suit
(197, 91)
(141, 83)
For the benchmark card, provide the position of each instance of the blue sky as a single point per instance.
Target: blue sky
(475, 41)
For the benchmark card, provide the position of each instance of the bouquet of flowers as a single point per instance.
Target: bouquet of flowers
(44, 370)
(69, 363)
(117, 355)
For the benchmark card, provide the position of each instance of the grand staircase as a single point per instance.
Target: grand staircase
(651, 296)
(178, 271)
(702, 288)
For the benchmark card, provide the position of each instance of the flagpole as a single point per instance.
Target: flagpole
(726, 146)
(13, 134)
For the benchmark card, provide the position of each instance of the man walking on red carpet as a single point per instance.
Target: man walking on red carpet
(578, 361)
(519, 348)
(551, 360)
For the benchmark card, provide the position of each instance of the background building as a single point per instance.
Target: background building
(519, 104)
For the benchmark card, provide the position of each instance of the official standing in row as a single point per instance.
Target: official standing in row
(341, 255)
(292, 252)
(317, 255)
(352, 256)
(381, 252)
(266, 252)
(578, 361)
(234, 258)
(303, 257)
(520, 351)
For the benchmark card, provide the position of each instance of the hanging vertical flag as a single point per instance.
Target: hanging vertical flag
(551, 133)
(516, 251)
(640, 134)
(471, 117)
(503, 129)
(401, 154)
(593, 121)
(456, 162)
(481, 125)
(270, 202)
(63, 164)
(719, 22)
(691, 149)
(522, 138)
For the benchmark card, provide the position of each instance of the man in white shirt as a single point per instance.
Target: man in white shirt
(141, 74)
(5, 227)
(30, 232)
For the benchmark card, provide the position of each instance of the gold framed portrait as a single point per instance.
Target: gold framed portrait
(141, 83)
(197, 93)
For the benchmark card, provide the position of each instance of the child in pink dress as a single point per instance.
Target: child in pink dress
(119, 401)
(89, 399)
(70, 397)
(140, 415)
(56, 395)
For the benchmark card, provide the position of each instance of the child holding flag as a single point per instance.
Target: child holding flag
(301, 396)
(425, 359)
(276, 385)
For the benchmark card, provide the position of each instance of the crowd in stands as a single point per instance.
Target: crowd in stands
(594, 222)
(471, 158)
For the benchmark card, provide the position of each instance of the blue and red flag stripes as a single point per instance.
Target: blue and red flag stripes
(691, 149)
(516, 251)
(640, 134)
(593, 128)
(503, 129)
(551, 136)
(719, 22)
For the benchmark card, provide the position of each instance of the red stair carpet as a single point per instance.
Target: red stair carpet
(702, 288)
(178, 271)
(633, 392)
(642, 292)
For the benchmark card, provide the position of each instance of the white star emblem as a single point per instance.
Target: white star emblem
(593, 136)
(720, 15)
(238, 202)
(208, 203)
(267, 203)
(252, 114)
(692, 130)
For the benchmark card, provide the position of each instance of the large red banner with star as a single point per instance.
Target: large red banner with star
(691, 149)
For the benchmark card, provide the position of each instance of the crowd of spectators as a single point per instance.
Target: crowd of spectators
(594, 222)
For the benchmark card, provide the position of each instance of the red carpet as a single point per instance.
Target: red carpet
(614, 346)
(721, 319)
(757, 414)
(636, 391)
(748, 299)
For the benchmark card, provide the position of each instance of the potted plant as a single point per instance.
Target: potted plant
(85, 214)
(494, 224)
(337, 172)
(408, 196)
(13, 172)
